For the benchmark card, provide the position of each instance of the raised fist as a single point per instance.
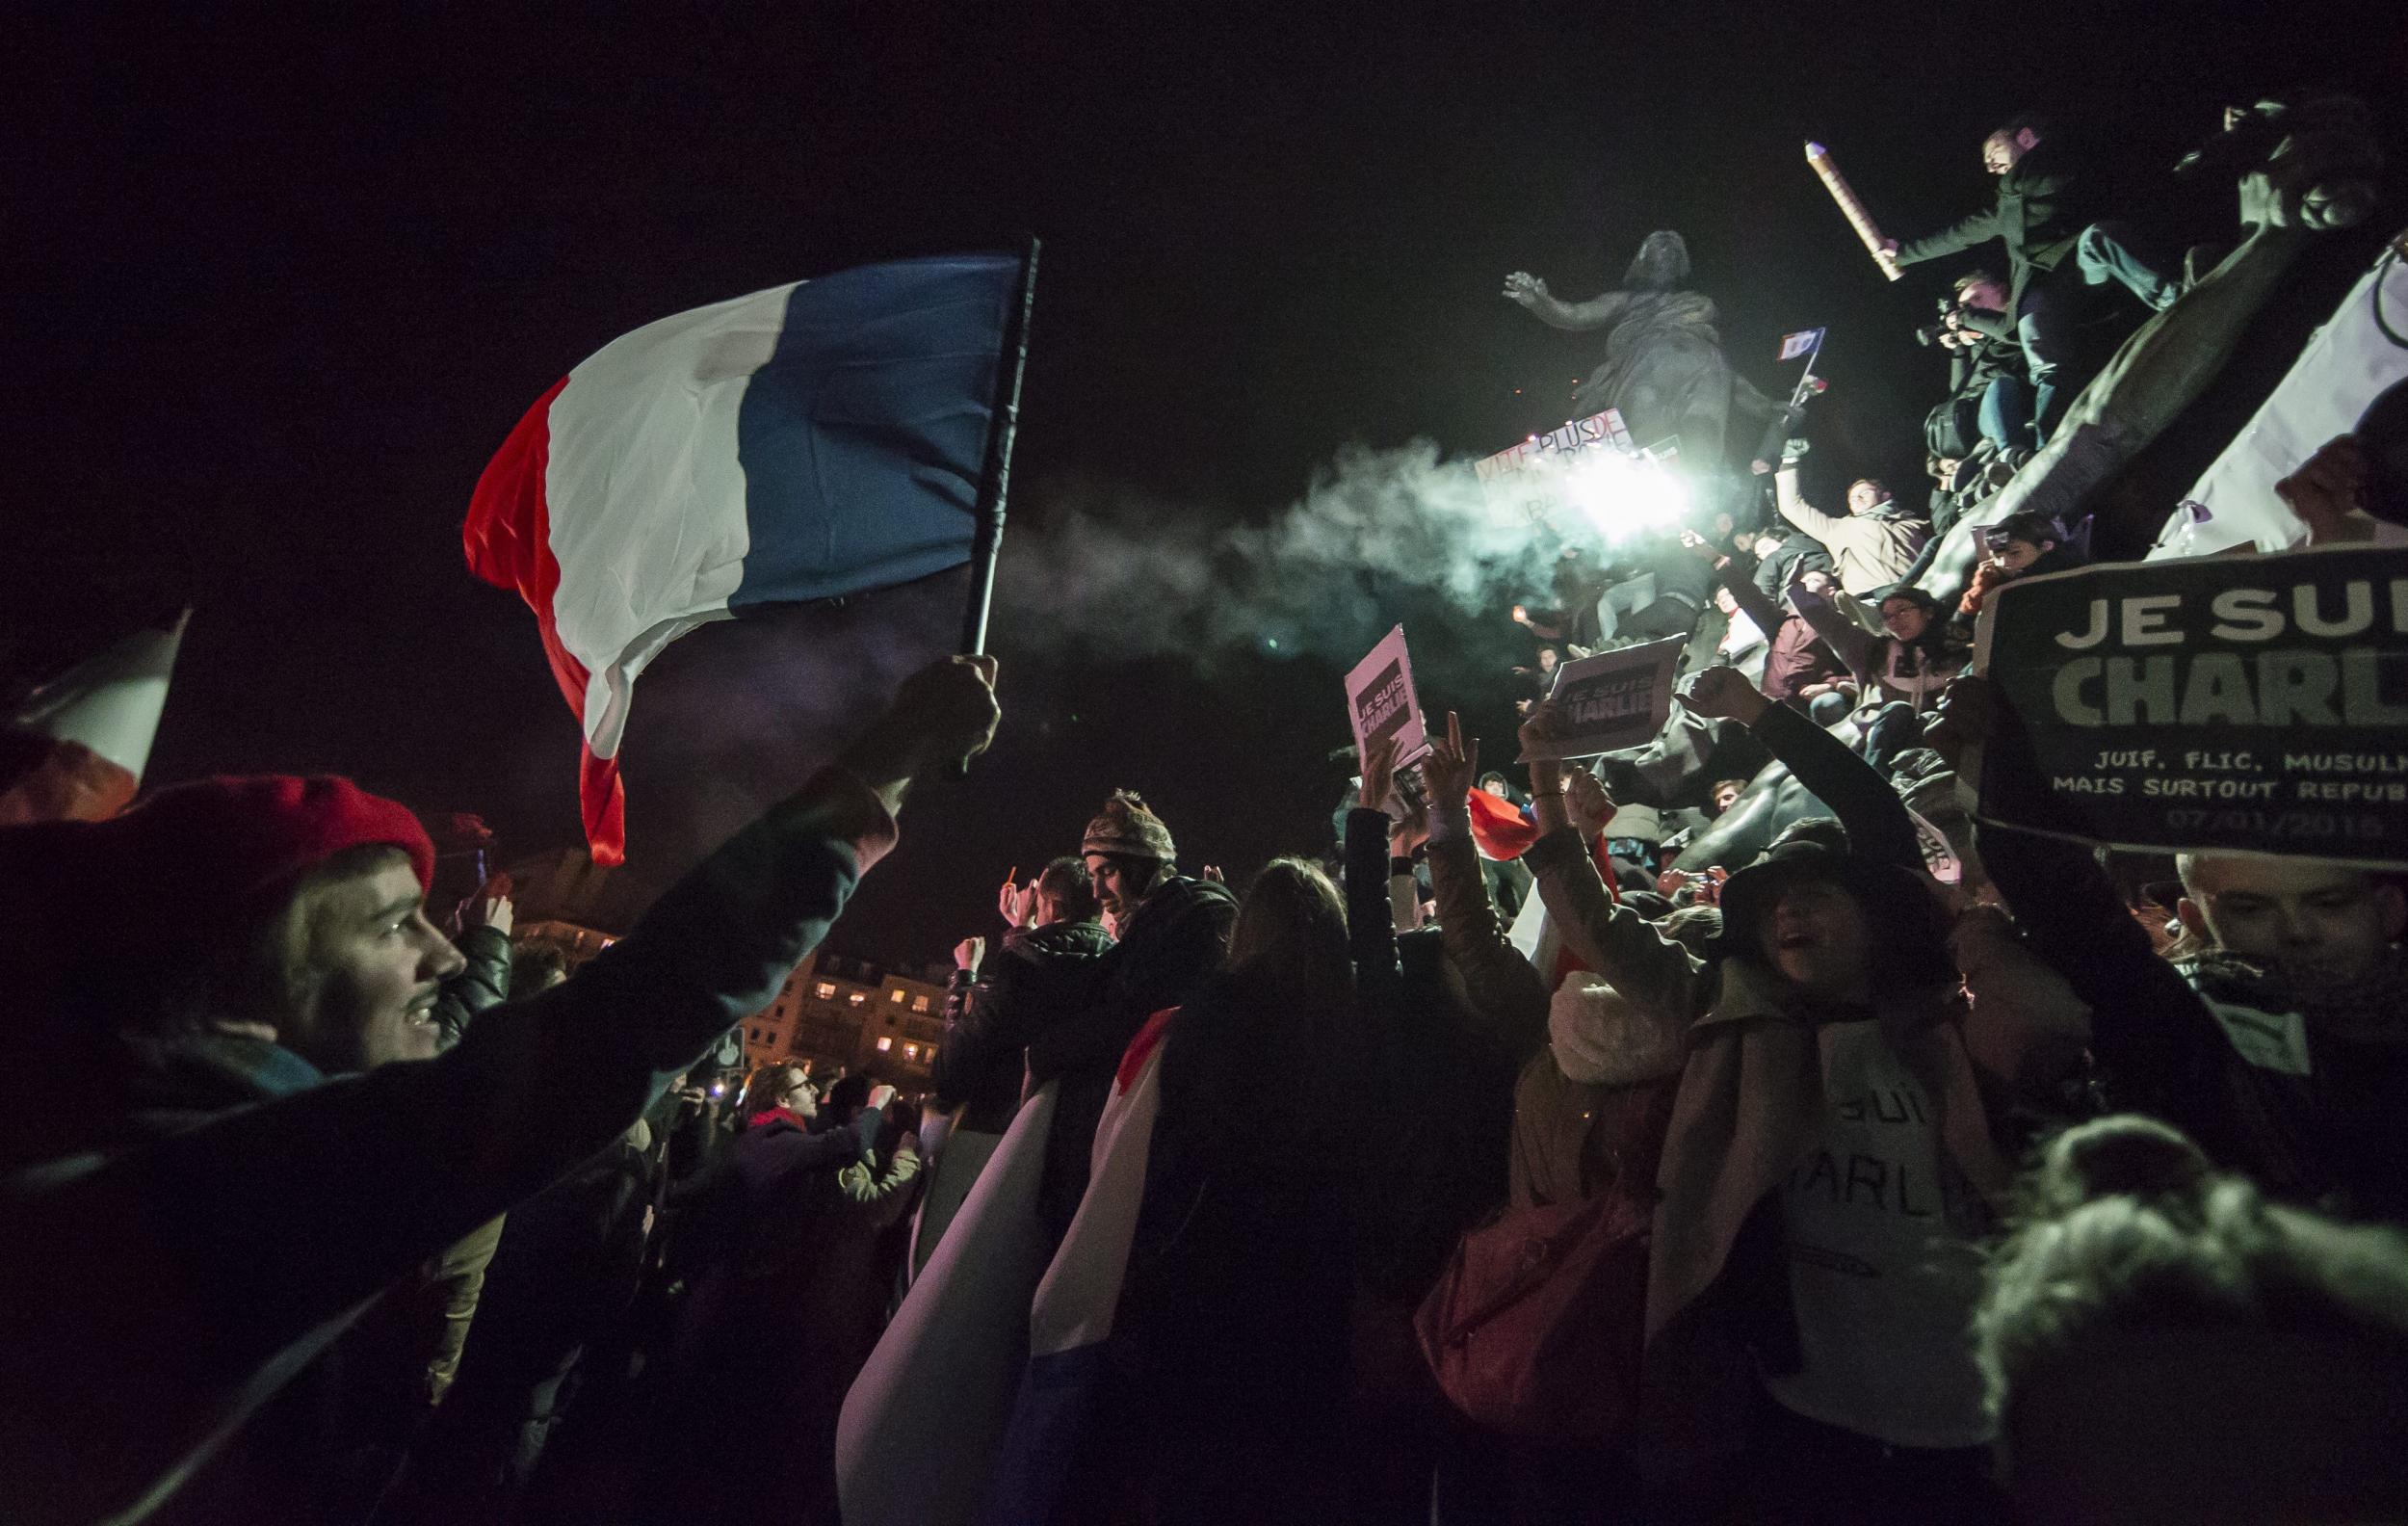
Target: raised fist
(1724, 694)
(945, 713)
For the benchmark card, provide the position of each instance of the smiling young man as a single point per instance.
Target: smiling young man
(2332, 921)
(2283, 1049)
(1171, 932)
(226, 1142)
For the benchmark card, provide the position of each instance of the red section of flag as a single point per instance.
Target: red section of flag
(603, 800)
(508, 542)
(1498, 827)
(62, 781)
(1133, 1057)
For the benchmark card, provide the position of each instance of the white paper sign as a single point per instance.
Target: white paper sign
(1613, 701)
(1381, 701)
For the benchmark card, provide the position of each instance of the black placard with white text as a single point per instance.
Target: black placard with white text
(1612, 702)
(2255, 704)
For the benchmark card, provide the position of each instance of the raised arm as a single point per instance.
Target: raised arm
(1500, 984)
(1801, 514)
(1857, 647)
(1962, 234)
(1878, 827)
(1371, 924)
(1529, 292)
(219, 1260)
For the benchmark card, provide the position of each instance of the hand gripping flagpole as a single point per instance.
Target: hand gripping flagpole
(1820, 157)
(995, 476)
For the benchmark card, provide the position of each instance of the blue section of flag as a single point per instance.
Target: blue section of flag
(862, 437)
(1797, 344)
(1050, 1420)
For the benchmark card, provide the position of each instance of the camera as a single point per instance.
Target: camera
(1997, 538)
(1930, 334)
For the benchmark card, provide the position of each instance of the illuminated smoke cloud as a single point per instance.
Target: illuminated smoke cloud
(1110, 570)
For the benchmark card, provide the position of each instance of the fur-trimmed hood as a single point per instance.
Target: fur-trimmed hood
(1600, 1038)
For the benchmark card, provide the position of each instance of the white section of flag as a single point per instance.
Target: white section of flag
(111, 703)
(644, 493)
(1076, 1302)
(2344, 369)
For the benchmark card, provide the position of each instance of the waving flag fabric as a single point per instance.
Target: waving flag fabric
(76, 749)
(810, 441)
(1797, 344)
(1070, 1319)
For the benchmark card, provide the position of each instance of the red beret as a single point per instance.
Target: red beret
(246, 836)
(185, 867)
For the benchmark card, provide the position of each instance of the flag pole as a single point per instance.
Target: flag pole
(995, 476)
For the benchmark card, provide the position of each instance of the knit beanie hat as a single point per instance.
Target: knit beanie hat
(1125, 826)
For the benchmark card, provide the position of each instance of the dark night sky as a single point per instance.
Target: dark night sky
(277, 289)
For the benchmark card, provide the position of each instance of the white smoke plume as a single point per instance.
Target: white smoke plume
(1111, 572)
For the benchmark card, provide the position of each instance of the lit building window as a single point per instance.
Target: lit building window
(932, 1054)
(824, 990)
(858, 997)
(911, 1051)
(919, 1004)
(896, 995)
(885, 1043)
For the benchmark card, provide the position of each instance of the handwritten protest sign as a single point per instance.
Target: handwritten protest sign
(1380, 697)
(2251, 704)
(1527, 480)
(1613, 702)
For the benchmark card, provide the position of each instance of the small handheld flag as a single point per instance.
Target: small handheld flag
(1804, 342)
(76, 749)
(811, 441)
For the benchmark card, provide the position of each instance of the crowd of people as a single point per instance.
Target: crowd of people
(1492, 1165)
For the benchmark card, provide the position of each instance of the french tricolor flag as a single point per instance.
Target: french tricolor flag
(810, 441)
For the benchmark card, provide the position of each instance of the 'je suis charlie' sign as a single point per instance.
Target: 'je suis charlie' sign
(2251, 704)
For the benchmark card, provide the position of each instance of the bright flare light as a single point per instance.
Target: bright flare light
(1624, 495)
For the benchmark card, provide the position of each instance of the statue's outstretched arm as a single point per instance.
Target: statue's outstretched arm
(1530, 292)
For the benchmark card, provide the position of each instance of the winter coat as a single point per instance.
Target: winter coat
(1798, 657)
(1750, 1100)
(808, 1235)
(216, 1259)
(1886, 668)
(1175, 939)
(2038, 215)
(1436, 1071)
(1038, 975)
(565, 1269)
(1797, 555)
(483, 984)
(1240, 1265)
(1869, 550)
(1587, 1094)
